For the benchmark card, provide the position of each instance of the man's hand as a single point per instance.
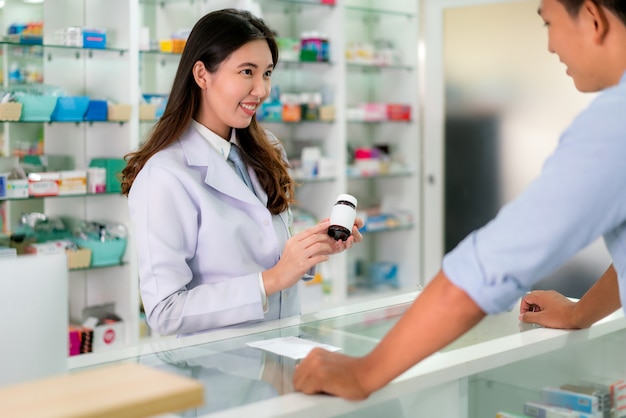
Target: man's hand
(548, 308)
(336, 374)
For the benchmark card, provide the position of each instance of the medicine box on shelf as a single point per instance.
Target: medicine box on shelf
(108, 327)
(70, 108)
(119, 112)
(43, 184)
(73, 182)
(97, 110)
(3, 185)
(17, 189)
(79, 258)
(10, 111)
(114, 167)
(147, 112)
(104, 253)
(36, 108)
(94, 38)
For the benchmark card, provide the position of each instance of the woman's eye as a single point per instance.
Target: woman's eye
(247, 71)
(268, 73)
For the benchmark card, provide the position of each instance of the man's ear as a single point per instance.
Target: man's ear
(200, 74)
(596, 17)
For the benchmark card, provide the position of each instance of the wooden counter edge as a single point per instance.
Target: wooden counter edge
(119, 390)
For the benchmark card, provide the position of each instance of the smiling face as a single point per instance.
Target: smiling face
(232, 94)
(575, 39)
(565, 38)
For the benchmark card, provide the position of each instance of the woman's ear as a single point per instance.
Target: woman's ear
(200, 74)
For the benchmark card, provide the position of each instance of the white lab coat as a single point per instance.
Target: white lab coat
(202, 238)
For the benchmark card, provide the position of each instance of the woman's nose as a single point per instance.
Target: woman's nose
(260, 88)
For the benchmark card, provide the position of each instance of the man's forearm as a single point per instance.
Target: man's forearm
(439, 315)
(600, 300)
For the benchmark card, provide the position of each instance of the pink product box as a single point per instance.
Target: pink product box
(74, 341)
(96, 180)
(374, 112)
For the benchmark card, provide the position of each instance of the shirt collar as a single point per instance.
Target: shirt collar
(217, 142)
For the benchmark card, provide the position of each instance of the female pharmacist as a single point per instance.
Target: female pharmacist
(212, 250)
(579, 196)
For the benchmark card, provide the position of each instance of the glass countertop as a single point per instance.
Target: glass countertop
(235, 374)
(376, 323)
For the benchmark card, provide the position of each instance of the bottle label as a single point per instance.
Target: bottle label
(343, 215)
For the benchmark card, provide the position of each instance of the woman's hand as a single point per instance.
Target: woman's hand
(305, 250)
(355, 237)
(302, 251)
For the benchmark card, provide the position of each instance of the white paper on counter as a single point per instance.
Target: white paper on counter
(293, 347)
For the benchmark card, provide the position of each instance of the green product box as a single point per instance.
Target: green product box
(50, 162)
(114, 167)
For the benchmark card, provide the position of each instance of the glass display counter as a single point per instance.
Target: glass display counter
(498, 365)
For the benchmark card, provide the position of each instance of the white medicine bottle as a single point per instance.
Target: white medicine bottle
(342, 217)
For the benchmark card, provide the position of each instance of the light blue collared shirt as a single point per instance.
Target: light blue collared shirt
(579, 196)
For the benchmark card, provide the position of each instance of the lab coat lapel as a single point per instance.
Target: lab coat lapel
(219, 174)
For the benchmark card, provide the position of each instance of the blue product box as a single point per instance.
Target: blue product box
(3, 186)
(159, 100)
(70, 109)
(270, 112)
(570, 400)
(94, 38)
(383, 273)
(97, 110)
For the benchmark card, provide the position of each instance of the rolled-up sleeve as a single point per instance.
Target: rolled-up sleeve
(575, 200)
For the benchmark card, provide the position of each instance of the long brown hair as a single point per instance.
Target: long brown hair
(213, 38)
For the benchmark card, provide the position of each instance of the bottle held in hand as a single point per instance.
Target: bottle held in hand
(342, 217)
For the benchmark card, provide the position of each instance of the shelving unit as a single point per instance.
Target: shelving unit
(395, 81)
(350, 83)
(122, 73)
(107, 74)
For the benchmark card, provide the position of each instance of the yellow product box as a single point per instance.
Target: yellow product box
(166, 45)
(43, 184)
(327, 113)
(73, 182)
(147, 112)
(119, 112)
(79, 258)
